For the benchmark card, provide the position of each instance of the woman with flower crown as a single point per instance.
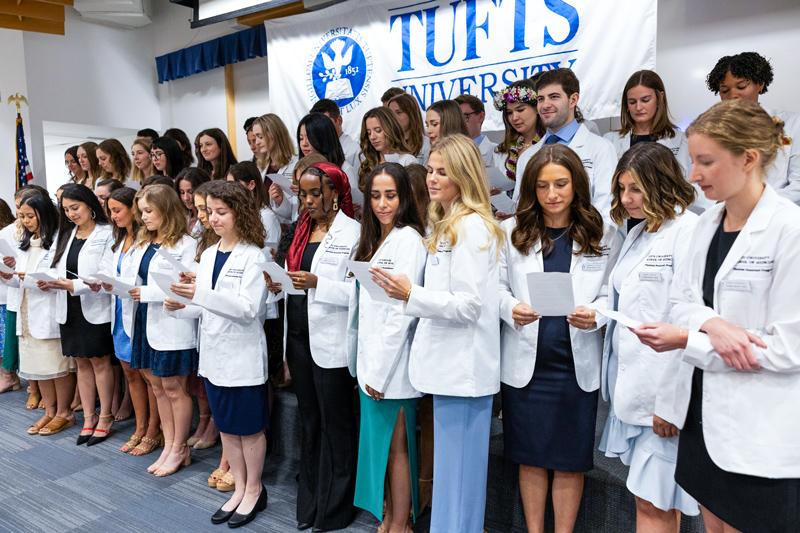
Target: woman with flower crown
(517, 103)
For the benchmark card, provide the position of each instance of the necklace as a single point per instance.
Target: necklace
(566, 230)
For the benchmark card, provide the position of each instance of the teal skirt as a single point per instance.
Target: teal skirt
(11, 344)
(377, 425)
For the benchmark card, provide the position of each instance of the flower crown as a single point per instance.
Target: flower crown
(511, 95)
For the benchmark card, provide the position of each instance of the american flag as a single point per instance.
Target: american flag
(24, 174)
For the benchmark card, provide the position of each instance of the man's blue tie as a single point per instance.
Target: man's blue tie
(552, 139)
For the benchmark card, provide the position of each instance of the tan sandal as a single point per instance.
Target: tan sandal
(132, 443)
(226, 483)
(39, 424)
(56, 425)
(33, 401)
(214, 478)
(147, 445)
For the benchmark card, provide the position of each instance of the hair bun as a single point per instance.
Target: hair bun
(783, 139)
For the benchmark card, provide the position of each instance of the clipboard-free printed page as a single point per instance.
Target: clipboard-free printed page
(278, 274)
(551, 293)
(360, 270)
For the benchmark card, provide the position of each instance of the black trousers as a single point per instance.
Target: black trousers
(329, 448)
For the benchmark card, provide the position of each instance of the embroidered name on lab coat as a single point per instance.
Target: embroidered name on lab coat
(593, 263)
(385, 263)
(588, 164)
(650, 276)
(658, 261)
(236, 273)
(755, 263)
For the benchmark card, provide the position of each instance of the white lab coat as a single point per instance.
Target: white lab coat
(750, 422)
(679, 146)
(599, 159)
(456, 348)
(647, 381)
(328, 303)
(384, 333)
(351, 149)
(8, 292)
(784, 174)
(287, 211)
(232, 346)
(589, 278)
(164, 332)
(42, 322)
(95, 256)
(486, 148)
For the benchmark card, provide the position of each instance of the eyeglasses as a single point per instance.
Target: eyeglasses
(156, 155)
(468, 115)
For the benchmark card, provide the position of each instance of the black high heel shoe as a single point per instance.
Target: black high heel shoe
(239, 520)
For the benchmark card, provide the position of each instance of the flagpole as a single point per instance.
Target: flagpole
(18, 99)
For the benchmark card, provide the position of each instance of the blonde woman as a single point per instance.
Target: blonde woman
(455, 351)
(163, 347)
(381, 141)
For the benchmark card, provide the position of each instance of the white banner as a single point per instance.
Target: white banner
(352, 52)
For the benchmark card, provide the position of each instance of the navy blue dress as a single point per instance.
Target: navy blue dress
(237, 410)
(162, 364)
(550, 422)
(747, 503)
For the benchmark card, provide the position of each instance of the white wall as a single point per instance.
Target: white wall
(12, 80)
(103, 76)
(693, 35)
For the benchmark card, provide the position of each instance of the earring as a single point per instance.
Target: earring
(335, 204)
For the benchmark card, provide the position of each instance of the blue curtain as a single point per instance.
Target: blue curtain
(239, 46)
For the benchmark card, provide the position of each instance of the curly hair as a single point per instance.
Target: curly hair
(665, 192)
(247, 220)
(748, 65)
(586, 226)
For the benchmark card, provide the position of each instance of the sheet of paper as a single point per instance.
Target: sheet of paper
(177, 265)
(620, 318)
(360, 270)
(279, 275)
(503, 203)
(5, 269)
(283, 181)
(118, 287)
(6, 249)
(498, 179)
(163, 281)
(551, 293)
(40, 276)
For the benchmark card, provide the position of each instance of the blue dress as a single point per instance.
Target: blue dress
(237, 410)
(162, 364)
(122, 343)
(549, 423)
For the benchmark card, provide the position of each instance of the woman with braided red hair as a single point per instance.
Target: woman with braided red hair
(324, 239)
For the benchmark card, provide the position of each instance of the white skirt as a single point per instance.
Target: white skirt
(651, 459)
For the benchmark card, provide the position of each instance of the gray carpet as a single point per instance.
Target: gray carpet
(50, 484)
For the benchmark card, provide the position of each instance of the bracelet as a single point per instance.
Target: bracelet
(408, 294)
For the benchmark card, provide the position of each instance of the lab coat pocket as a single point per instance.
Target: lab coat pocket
(743, 301)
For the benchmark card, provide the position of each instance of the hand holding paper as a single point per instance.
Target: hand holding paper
(360, 270)
(117, 287)
(620, 318)
(279, 275)
(177, 265)
(163, 281)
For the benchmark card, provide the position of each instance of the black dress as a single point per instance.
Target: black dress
(748, 503)
(79, 337)
(549, 423)
(329, 433)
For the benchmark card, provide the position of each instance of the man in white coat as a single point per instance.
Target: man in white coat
(558, 94)
(474, 114)
(350, 147)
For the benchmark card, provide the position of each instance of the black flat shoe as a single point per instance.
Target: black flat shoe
(302, 526)
(238, 520)
(221, 516)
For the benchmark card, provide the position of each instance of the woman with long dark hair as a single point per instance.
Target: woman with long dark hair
(551, 364)
(167, 157)
(84, 248)
(186, 182)
(40, 356)
(179, 136)
(76, 172)
(214, 153)
(391, 237)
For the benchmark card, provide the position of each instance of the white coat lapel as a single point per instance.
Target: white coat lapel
(326, 242)
(237, 251)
